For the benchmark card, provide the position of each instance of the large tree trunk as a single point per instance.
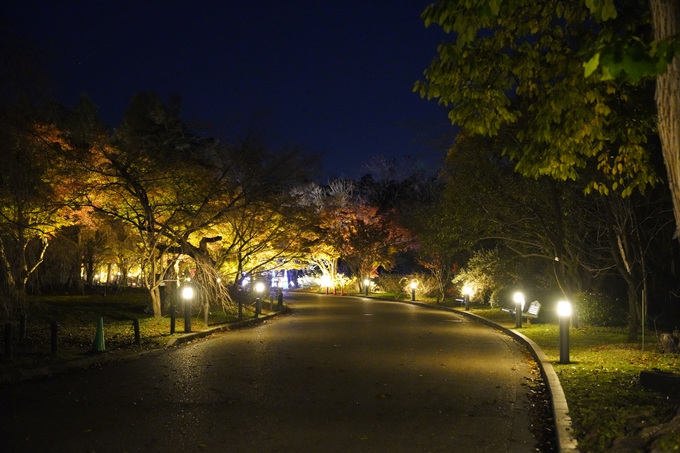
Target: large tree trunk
(666, 22)
(155, 294)
(633, 308)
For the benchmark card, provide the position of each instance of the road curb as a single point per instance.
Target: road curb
(566, 443)
(223, 328)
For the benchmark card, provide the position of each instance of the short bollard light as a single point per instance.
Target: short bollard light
(564, 313)
(326, 281)
(467, 290)
(259, 288)
(187, 295)
(518, 298)
(367, 283)
(414, 285)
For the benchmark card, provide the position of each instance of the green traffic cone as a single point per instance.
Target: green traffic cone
(98, 343)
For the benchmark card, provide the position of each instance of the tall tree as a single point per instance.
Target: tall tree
(173, 186)
(539, 220)
(516, 69)
(631, 57)
(368, 240)
(37, 189)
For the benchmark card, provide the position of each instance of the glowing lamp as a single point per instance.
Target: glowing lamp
(187, 293)
(518, 298)
(563, 309)
(564, 312)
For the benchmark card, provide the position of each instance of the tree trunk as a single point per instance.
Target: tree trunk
(666, 21)
(633, 320)
(155, 294)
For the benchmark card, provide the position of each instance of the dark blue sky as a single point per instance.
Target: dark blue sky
(333, 76)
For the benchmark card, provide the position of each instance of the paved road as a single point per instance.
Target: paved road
(340, 374)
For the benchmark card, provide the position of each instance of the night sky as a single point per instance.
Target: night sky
(332, 76)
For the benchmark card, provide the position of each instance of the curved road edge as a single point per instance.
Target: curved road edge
(566, 443)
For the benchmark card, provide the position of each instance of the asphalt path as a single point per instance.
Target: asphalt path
(339, 374)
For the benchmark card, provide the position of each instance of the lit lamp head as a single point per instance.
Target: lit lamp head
(259, 287)
(518, 298)
(325, 280)
(187, 293)
(563, 308)
(414, 284)
(367, 282)
(467, 290)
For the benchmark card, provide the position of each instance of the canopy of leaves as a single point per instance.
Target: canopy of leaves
(515, 69)
(619, 53)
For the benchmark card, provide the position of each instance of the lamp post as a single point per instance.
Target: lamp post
(564, 312)
(187, 295)
(467, 290)
(259, 288)
(413, 285)
(518, 298)
(367, 282)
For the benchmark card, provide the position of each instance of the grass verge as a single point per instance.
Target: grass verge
(77, 318)
(601, 382)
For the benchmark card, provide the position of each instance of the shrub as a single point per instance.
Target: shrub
(488, 274)
(390, 283)
(501, 297)
(427, 285)
(598, 309)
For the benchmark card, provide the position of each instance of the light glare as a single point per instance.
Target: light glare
(187, 292)
(563, 308)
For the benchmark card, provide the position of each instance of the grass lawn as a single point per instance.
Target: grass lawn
(77, 317)
(601, 383)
